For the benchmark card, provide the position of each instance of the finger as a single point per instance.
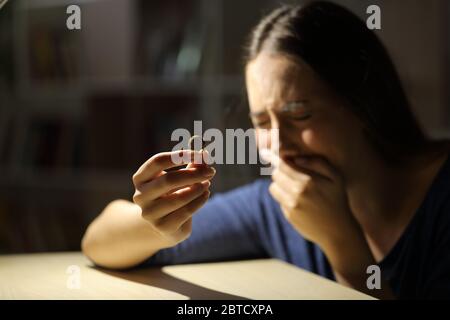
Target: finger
(171, 182)
(175, 220)
(206, 183)
(292, 186)
(161, 161)
(200, 159)
(286, 211)
(164, 205)
(319, 165)
(280, 196)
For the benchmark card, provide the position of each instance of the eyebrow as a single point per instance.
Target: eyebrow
(286, 107)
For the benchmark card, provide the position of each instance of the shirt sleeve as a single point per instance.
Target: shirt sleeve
(225, 228)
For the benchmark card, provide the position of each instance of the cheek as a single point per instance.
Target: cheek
(322, 141)
(309, 137)
(313, 140)
(337, 144)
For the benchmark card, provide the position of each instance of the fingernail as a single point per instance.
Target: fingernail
(206, 184)
(210, 172)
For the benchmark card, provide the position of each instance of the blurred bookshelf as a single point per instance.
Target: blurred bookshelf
(81, 110)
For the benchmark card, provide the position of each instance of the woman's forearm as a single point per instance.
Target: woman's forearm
(350, 258)
(119, 238)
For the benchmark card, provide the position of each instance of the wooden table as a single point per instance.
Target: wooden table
(72, 276)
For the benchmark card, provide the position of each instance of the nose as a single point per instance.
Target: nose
(289, 143)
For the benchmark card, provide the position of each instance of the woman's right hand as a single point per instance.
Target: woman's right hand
(168, 199)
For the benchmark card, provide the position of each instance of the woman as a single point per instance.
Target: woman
(357, 184)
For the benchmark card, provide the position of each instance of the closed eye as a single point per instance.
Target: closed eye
(301, 117)
(297, 110)
(260, 119)
(261, 124)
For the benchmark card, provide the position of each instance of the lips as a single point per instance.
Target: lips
(298, 162)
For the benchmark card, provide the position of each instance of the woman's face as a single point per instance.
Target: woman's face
(288, 95)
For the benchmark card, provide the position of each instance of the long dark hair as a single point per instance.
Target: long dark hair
(350, 58)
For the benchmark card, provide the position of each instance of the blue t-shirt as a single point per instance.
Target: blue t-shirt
(248, 223)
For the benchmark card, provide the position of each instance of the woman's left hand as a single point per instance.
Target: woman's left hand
(313, 199)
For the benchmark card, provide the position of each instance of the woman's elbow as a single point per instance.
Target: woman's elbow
(99, 243)
(100, 254)
(90, 248)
